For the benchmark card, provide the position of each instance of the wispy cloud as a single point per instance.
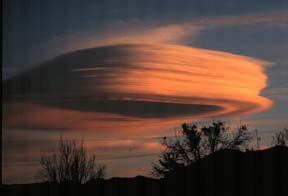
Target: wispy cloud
(176, 32)
(180, 32)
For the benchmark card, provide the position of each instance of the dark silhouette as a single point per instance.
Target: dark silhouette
(70, 163)
(280, 138)
(225, 172)
(196, 143)
(232, 172)
(201, 161)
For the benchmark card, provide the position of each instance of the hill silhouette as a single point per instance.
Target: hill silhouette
(226, 172)
(230, 172)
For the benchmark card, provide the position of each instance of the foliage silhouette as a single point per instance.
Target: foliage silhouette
(196, 143)
(280, 138)
(70, 163)
(225, 173)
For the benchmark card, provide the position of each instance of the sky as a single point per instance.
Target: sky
(122, 74)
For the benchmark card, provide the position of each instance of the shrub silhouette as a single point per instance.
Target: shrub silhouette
(70, 163)
(280, 138)
(196, 143)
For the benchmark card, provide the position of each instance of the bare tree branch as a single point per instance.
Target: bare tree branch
(70, 163)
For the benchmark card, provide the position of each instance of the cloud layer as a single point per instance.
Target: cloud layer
(141, 85)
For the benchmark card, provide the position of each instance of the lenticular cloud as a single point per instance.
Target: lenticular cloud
(138, 84)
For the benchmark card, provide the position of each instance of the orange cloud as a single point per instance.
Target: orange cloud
(133, 88)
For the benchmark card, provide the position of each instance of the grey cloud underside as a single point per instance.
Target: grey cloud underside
(56, 78)
(57, 83)
(141, 109)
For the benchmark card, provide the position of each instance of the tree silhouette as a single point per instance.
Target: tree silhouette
(70, 163)
(171, 159)
(280, 138)
(196, 143)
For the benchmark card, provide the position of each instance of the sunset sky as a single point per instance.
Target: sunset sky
(122, 74)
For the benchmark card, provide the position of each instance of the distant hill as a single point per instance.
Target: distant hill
(225, 172)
